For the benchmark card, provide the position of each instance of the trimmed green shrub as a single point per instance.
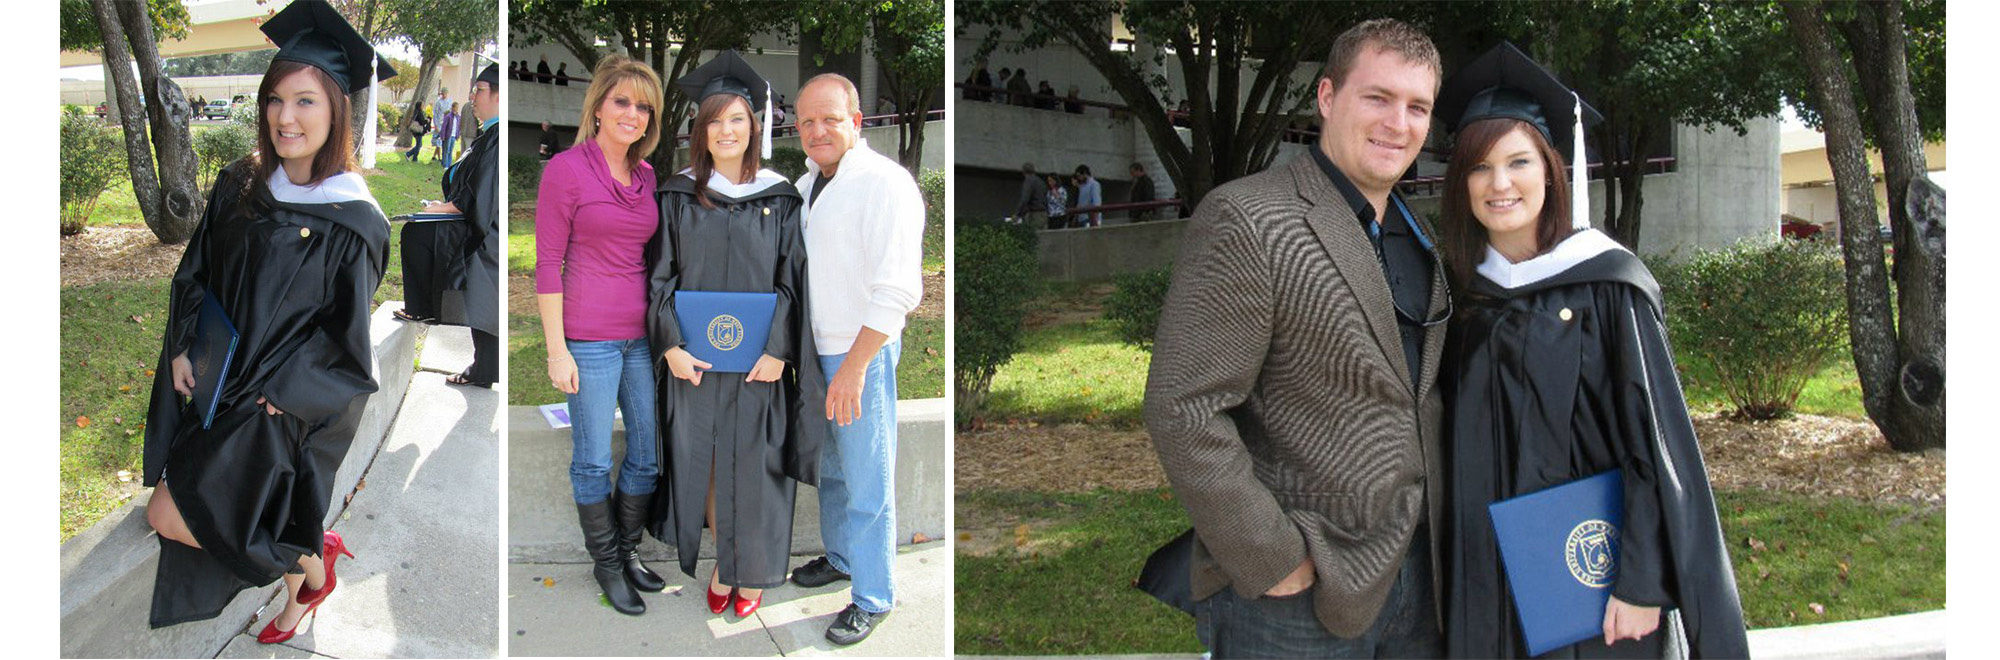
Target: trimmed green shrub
(995, 277)
(932, 185)
(1134, 306)
(1757, 319)
(524, 177)
(787, 161)
(219, 146)
(93, 160)
(386, 116)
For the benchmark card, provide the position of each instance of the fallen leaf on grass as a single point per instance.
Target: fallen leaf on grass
(1020, 536)
(965, 536)
(83, 422)
(1756, 545)
(138, 318)
(124, 476)
(1843, 569)
(124, 388)
(1817, 608)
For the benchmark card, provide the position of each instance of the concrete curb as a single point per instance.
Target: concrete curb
(107, 571)
(541, 512)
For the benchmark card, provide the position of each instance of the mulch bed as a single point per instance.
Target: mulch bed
(103, 254)
(1808, 455)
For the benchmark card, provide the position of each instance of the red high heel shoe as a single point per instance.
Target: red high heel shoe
(747, 607)
(331, 548)
(272, 635)
(718, 602)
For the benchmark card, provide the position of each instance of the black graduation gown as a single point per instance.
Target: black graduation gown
(297, 281)
(1534, 401)
(451, 269)
(761, 438)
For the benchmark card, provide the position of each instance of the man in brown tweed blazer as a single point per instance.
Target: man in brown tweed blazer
(1291, 392)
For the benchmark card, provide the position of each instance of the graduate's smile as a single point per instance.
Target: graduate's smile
(299, 113)
(1508, 187)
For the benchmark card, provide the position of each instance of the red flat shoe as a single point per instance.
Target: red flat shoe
(747, 607)
(331, 548)
(719, 602)
(272, 635)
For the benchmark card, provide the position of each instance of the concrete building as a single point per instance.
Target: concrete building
(776, 56)
(1717, 188)
(1808, 179)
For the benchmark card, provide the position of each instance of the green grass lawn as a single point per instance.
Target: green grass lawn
(106, 354)
(106, 357)
(1835, 391)
(1073, 372)
(1089, 547)
(920, 375)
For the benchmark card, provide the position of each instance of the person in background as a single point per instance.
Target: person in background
(1055, 201)
(1019, 92)
(1142, 191)
(562, 75)
(1032, 198)
(549, 144)
(1089, 193)
(447, 136)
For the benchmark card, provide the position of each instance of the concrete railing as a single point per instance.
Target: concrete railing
(541, 512)
(107, 571)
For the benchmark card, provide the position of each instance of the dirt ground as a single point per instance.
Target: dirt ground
(101, 254)
(1808, 454)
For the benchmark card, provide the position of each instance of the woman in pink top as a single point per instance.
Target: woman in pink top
(594, 215)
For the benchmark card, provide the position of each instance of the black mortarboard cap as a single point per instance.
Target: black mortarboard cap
(490, 74)
(726, 74)
(729, 74)
(312, 32)
(1505, 83)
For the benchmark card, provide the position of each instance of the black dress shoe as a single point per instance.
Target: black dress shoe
(853, 625)
(818, 573)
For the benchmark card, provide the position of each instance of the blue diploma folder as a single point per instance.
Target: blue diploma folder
(1560, 547)
(213, 350)
(725, 329)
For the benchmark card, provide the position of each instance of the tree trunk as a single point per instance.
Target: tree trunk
(358, 108)
(429, 72)
(180, 203)
(131, 115)
(1916, 407)
(1871, 327)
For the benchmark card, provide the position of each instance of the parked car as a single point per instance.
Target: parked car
(216, 109)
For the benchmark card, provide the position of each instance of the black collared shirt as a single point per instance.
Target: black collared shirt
(1405, 263)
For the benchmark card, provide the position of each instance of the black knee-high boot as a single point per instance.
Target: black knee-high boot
(600, 538)
(632, 514)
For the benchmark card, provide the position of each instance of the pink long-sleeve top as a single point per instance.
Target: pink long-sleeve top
(590, 243)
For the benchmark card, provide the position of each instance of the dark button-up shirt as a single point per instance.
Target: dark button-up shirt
(1405, 263)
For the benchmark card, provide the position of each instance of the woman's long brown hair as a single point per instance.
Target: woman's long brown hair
(334, 157)
(1461, 238)
(703, 162)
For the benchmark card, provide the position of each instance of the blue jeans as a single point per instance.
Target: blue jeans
(446, 146)
(857, 484)
(1287, 627)
(608, 374)
(415, 149)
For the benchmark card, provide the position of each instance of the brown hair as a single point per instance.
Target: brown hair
(1461, 239)
(610, 73)
(334, 157)
(1384, 34)
(699, 157)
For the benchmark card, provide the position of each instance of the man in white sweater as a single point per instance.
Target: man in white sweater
(864, 224)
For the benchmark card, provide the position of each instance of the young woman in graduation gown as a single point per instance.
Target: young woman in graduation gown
(1557, 368)
(737, 445)
(291, 247)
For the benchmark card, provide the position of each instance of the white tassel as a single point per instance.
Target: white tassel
(368, 125)
(1579, 195)
(767, 121)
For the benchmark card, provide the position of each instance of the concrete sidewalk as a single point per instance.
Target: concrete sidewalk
(569, 618)
(423, 528)
(420, 515)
